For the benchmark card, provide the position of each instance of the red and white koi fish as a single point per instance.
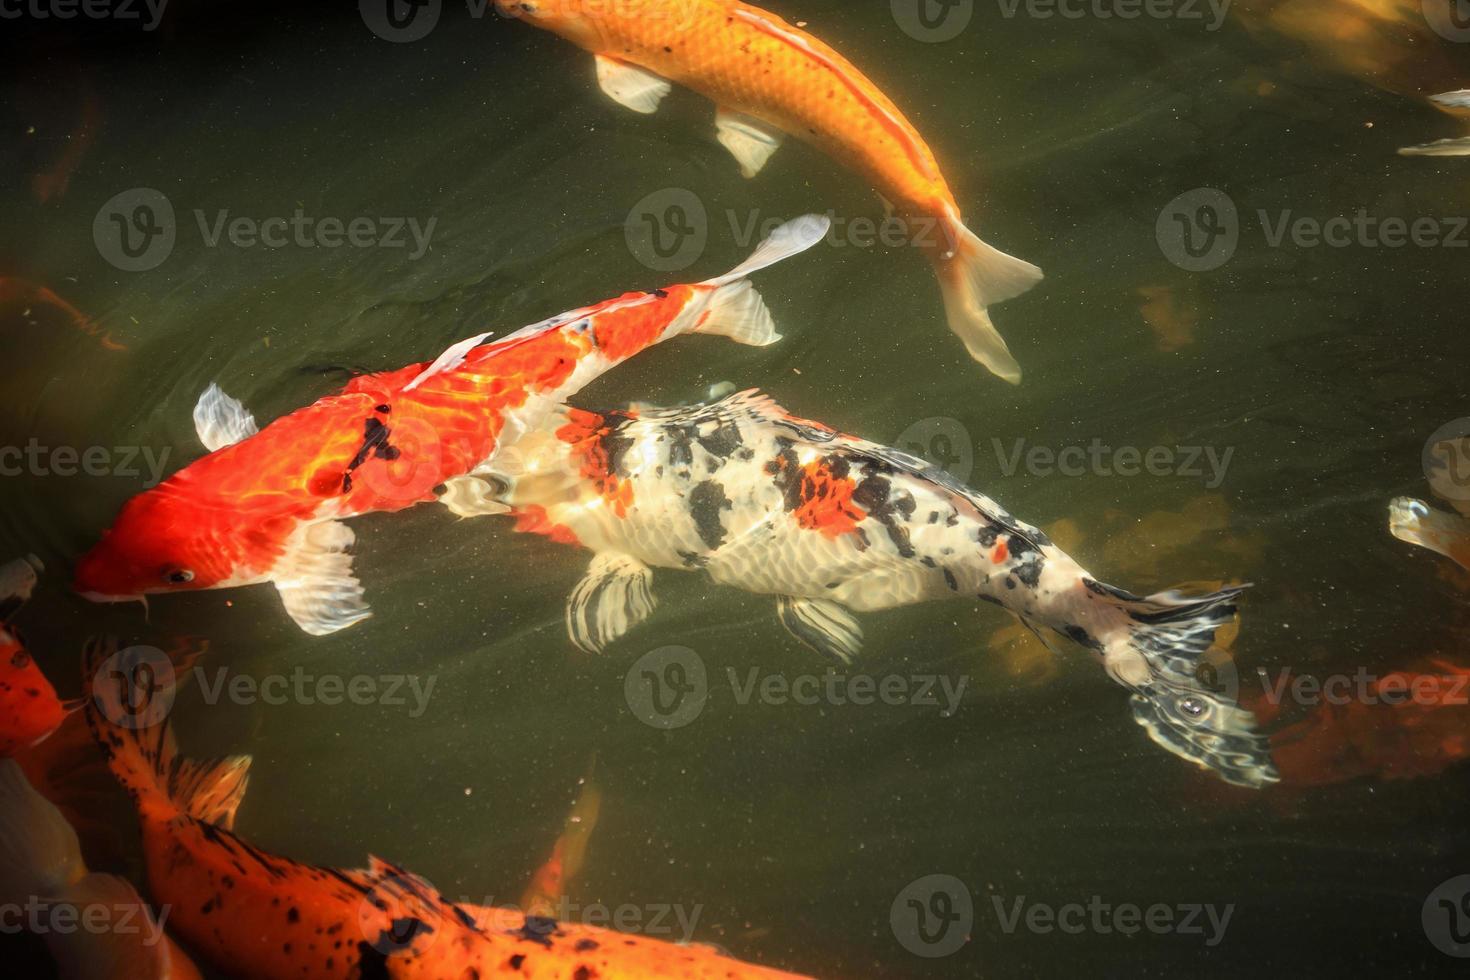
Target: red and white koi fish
(771, 79)
(41, 866)
(257, 914)
(831, 524)
(268, 505)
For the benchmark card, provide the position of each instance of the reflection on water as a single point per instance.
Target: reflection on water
(793, 829)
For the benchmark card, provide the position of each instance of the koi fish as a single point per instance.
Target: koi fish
(832, 525)
(548, 886)
(24, 297)
(41, 863)
(1418, 523)
(261, 915)
(771, 79)
(1456, 104)
(267, 505)
(29, 707)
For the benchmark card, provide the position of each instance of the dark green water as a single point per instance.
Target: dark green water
(789, 830)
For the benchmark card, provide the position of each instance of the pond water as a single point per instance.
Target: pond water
(1287, 390)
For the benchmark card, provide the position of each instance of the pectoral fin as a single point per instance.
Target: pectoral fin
(749, 139)
(221, 420)
(825, 626)
(614, 596)
(637, 88)
(316, 582)
(468, 496)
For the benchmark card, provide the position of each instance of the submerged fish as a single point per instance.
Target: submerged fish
(267, 506)
(1416, 522)
(41, 866)
(1456, 104)
(771, 79)
(29, 707)
(257, 914)
(548, 887)
(24, 298)
(831, 524)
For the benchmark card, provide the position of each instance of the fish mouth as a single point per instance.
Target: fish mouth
(104, 597)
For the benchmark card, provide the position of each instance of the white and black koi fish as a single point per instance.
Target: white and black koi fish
(832, 525)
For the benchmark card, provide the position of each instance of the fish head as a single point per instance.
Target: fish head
(165, 540)
(583, 22)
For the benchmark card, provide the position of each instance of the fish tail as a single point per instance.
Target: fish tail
(974, 276)
(735, 309)
(39, 853)
(144, 756)
(1158, 654)
(1416, 522)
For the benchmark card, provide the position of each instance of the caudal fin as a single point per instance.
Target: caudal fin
(735, 309)
(1159, 656)
(141, 751)
(974, 276)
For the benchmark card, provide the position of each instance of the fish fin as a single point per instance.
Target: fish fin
(315, 580)
(826, 626)
(1158, 655)
(791, 238)
(211, 791)
(751, 141)
(974, 276)
(1416, 522)
(220, 420)
(738, 312)
(469, 496)
(614, 596)
(39, 852)
(1457, 102)
(628, 85)
(1459, 147)
(452, 358)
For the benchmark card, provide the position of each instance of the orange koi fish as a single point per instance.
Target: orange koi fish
(29, 707)
(771, 79)
(260, 915)
(24, 297)
(549, 884)
(42, 871)
(267, 505)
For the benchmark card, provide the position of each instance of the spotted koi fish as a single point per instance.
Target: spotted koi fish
(267, 505)
(832, 525)
(771, 79)
(41, 860)
(257, 914)
(29, 708)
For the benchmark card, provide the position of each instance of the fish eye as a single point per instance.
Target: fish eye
(178, 576)
(1418, 509)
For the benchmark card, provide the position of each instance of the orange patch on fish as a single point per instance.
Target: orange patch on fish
(1000, 554)
(586, 432)
(29, 707)
(826, 501)
(534, 520)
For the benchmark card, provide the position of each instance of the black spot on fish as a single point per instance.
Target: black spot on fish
(723, 441)
(660, 293)
(949, 580)
(538, 929)
(292, 915)
(372, 964)
(581, 973)
(1079, 635)
(875, 495)
(988, 535)
(691, 560)
(706, 501)
(1029, 569)
(583, 945)
(516, 960)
